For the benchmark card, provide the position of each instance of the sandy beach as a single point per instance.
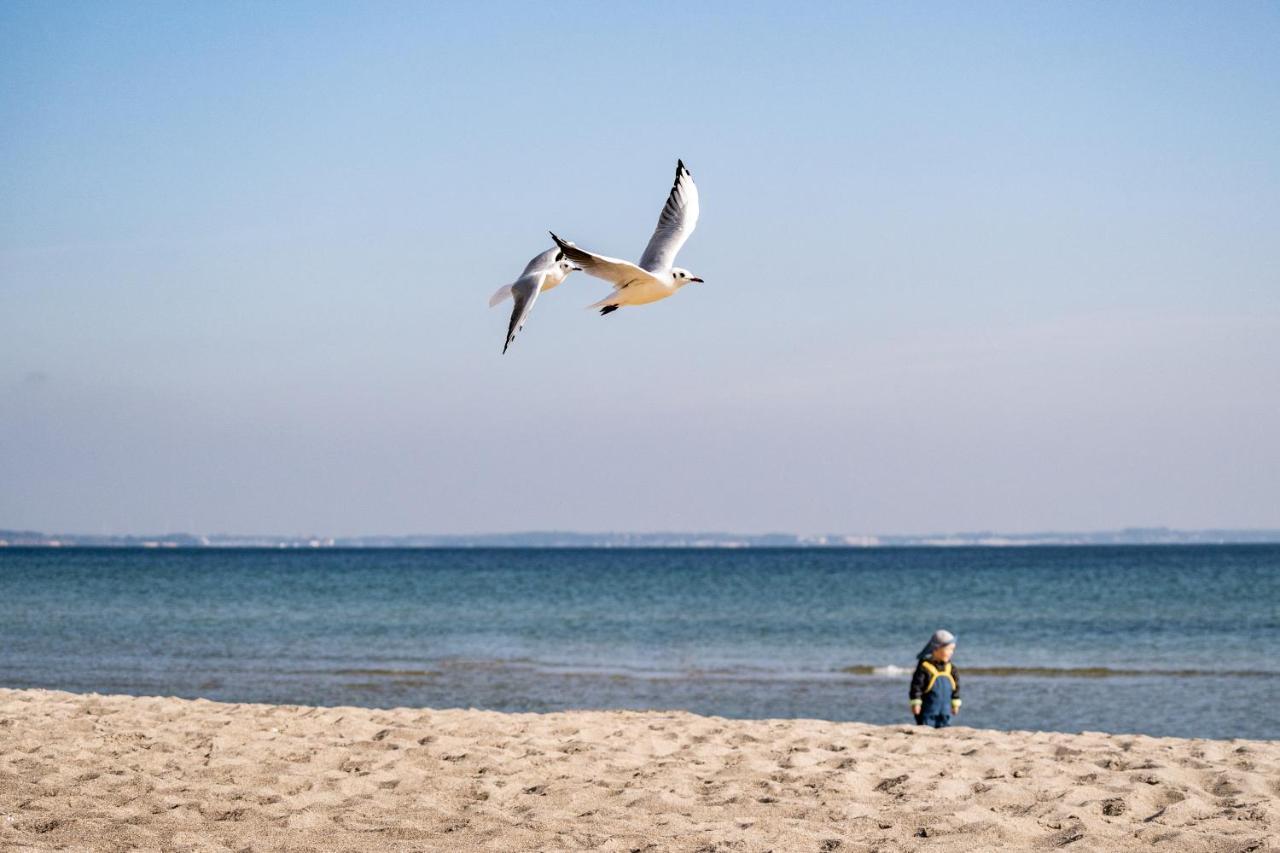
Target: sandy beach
(90, 772)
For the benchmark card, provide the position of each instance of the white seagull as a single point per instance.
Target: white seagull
(544, 272)
(654, 278)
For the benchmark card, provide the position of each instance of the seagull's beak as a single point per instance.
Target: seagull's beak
(698, 280)
(574, 268)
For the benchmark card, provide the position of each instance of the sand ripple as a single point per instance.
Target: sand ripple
(87, 772)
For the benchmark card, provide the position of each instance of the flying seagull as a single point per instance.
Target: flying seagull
(654, 278)
(544, 272)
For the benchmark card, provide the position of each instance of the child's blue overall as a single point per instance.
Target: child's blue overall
(935, 708)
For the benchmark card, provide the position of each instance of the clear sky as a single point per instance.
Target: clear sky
(1007, 266)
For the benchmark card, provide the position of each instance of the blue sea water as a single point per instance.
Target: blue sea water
(1163, 640)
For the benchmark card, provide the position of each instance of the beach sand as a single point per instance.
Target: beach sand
(89, 772)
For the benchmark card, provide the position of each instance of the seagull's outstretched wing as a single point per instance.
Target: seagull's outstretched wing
(524, 292)
(542, 261)
(679, 218)
(618, 273)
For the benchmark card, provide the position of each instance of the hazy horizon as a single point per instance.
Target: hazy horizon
(1007, 268)
(428, 534)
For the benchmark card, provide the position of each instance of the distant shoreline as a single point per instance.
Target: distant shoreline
(1112, 538)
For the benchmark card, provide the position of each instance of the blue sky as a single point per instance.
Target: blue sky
(1009, 267)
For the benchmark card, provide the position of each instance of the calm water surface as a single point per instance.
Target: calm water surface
(1162, 640)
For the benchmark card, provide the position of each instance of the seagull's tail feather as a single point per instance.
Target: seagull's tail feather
(611, 299)
(500, 294)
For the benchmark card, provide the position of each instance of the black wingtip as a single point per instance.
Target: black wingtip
(608, 309)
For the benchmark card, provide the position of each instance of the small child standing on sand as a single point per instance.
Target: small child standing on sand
(935, 686)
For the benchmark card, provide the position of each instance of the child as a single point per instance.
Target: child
(935, 687)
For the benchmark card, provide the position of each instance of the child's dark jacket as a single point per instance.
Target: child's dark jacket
(937, 692)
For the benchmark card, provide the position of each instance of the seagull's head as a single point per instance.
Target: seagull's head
(564, 266)
(683, 276)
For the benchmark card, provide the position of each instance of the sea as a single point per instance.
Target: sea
(1161, 640)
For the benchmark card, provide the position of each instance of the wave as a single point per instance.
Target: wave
(445, 668)
(1070, 672)
(890, 670)
(388, 673)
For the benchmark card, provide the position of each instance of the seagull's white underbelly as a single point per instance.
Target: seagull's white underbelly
(644, 292)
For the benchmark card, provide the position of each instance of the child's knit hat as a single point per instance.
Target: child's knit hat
(939, 639)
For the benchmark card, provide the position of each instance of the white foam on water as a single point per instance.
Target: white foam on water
(891, 671)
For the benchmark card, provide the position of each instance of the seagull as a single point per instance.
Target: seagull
(654, 278)
(544, 272)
